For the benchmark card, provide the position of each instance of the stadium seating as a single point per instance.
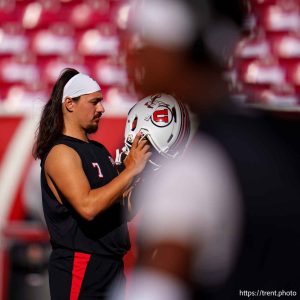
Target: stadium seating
(266, 62)
(38, 38)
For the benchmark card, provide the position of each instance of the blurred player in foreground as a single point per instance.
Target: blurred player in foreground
(224, 222)
(82, 191)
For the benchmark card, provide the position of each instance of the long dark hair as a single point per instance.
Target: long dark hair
(51, 122)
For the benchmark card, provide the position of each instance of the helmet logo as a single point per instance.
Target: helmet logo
(162, 117)
(152, 102)
(149, 104)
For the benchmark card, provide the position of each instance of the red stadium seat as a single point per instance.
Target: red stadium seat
(260, 75)
(56, 40)
(293, 76)
(39, 38)
(258, 7)
(53, 67)
(281, 18)
(100, 41)
(13, 39)
(249, 50)
(26, 97)
(254, 46)
(267, 63)
(284, 97)
(117, 100)
(120, 96)
(84, 15)
(10, 11)
(3, 93)
(41, 14)
(286, 46)
(19, 69)
(109, 72)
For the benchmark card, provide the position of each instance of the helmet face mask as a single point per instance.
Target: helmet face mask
(162, 120)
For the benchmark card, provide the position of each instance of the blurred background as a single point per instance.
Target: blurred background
(38, 38)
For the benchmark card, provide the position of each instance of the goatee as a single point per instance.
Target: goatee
(91, 129)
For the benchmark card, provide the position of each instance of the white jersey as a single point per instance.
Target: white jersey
(195, 201)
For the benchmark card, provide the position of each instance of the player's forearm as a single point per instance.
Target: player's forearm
(132, 197)
(102, 198)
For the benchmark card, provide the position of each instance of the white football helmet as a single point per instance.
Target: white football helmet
(164, 121)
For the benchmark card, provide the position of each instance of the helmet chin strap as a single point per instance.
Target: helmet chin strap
(121, 155)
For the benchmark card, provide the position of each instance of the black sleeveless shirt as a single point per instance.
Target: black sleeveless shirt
(107, 234)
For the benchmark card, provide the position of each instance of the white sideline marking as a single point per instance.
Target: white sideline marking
(11, 169)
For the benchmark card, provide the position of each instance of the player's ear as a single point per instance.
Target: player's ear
(69, 104)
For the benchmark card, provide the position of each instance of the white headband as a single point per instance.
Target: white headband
(79, 85)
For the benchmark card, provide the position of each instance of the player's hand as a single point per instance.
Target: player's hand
(138, 155)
